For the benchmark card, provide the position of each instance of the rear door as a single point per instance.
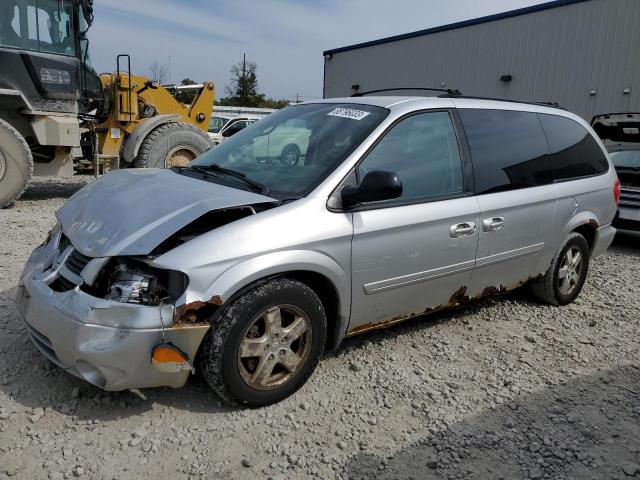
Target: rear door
(516, 195)
(413, 254)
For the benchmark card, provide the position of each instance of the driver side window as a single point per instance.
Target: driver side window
(423, 150)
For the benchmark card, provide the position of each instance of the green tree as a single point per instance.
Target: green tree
(273, 103)
(243, 90)
(187, 96)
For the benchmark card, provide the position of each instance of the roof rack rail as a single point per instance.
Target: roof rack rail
(448, 91)
(473, 97)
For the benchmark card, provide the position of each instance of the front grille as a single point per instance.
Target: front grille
(63, 243)
(76, 262)
(61, 284)
(629, 198)
(69, 273)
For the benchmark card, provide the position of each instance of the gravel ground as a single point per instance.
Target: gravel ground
(505, 388)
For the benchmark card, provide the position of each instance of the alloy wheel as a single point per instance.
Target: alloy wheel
(570, 271)
(274, 347)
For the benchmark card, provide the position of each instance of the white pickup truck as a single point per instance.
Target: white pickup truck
(287, 143)
(221, 128)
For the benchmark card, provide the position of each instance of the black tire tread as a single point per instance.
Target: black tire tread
(29, 157)
(214, 341)
(543, 288)
(143, 160)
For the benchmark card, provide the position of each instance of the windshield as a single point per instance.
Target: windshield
(216, 123)
(626, 158)
(291, 151)
(38, 25)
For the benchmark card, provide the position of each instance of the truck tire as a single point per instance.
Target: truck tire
(252, 364)
(16, 164)
(172, 144)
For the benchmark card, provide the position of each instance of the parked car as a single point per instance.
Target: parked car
(250, 270)
(287, 143)
(221, 128)
(621, 135)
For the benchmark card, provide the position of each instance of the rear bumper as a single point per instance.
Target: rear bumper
(604, 237)
(97, 339)
(627, 219)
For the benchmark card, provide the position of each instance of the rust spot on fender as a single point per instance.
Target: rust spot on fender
(193, 312)
(593, 223)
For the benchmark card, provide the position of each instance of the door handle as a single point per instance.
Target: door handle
(492, 224)
(462, 229)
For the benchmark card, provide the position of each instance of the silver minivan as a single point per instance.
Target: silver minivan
(249, 270)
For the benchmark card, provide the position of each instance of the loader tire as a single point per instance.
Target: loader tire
(172, 144)
(16, 164)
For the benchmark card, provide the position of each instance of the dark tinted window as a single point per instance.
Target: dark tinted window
(575, 153)
(423, 151)
(508, 149)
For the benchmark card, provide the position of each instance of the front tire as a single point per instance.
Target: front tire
(173, 144)
(265, 344)
(563, 282)
(290, 155)
(16, 164)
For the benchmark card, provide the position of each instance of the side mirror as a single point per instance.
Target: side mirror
(375, 186)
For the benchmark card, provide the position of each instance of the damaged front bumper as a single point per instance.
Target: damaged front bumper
(105, 342)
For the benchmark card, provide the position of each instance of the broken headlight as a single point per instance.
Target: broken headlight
(130, 286)
(129, 280)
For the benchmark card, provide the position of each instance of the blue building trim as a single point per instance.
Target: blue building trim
(452, 26)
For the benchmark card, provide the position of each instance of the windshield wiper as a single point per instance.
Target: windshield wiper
(214, 167)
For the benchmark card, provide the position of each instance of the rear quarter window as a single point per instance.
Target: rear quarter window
(508, 149)
(574, 151)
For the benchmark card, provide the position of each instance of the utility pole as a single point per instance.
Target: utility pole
(169, 69)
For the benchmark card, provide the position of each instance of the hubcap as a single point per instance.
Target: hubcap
(570, 271)
(3, 166)
(180, 156)
(291, 158)
(274, 346)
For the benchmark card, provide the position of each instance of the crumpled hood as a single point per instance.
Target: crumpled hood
(130, 212)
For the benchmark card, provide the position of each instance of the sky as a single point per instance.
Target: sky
(285, 38)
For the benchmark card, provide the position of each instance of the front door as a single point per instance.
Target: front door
(415, 253)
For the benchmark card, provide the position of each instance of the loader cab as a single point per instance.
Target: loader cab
(44, 52)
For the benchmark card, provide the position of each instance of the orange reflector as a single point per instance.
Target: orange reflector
(168, 353)
(169, 358)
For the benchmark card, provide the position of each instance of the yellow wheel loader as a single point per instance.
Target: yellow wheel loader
(53, 105)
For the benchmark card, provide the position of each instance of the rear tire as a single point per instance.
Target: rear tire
(172, 144)
(564, 279)
(239, 343)
(16, 164)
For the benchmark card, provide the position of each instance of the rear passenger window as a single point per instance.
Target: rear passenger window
(508, 149)
(575, 153)
(423, 150)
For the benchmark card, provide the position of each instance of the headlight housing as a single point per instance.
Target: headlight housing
(130, 286)
(132, 280)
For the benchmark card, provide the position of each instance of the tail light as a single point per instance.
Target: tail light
(616, 191)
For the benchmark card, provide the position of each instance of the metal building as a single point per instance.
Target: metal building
(583, 54)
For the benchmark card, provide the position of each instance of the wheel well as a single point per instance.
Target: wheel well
(588, 231)
(328, 295)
